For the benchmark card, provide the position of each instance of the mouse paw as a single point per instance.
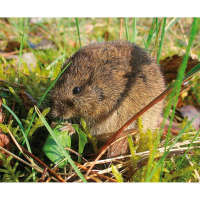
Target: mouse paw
(68, 127)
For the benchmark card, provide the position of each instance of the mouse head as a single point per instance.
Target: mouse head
(92, 86)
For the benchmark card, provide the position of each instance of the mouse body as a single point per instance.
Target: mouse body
(106, 84)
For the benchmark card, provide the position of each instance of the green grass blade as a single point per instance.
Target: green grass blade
(173, 98)
(23, 132)
(161, 40)
(21, 40)
(134, 30)
(131, 146)
(65, 153)
(12, 91)
(184, 155)
(150, 35)
(157, 26)
(54, 63)
(43, 97)
(117, 174)
(152, 31)
(20, 125)
(192, 71)
(166, 152)
(180, 77)
(126, 28)
(52, 85)
(22, 23)
(78, 31)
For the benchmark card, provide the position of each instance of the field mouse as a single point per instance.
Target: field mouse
(106, 84)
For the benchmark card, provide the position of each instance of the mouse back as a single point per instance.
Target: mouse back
(105, 78)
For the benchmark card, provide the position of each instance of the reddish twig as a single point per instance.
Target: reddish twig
(76, 153)
(13, 108)
(8, 54)
(43, 164)
(42, 179)
(1, 112)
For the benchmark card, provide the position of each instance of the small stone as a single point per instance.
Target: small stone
(191, 113)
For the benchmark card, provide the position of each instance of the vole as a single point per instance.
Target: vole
(106, 84)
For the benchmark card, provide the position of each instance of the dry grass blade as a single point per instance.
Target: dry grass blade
(76, 153)
(195, 171)
(42, 179)
(43, 164)
(109, 170)
(177, 148)
(21, 160)
(14, 140)
(93, 178)
(93, 174)
(125, 165)
(8, 54)
(21, 149)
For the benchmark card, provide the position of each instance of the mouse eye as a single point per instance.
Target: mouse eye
(76, 90)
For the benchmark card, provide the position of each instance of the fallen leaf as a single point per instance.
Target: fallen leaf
(12, 46)
(170, 66)
(4, 140)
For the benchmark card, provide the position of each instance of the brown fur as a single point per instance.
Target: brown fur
(117, 79)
